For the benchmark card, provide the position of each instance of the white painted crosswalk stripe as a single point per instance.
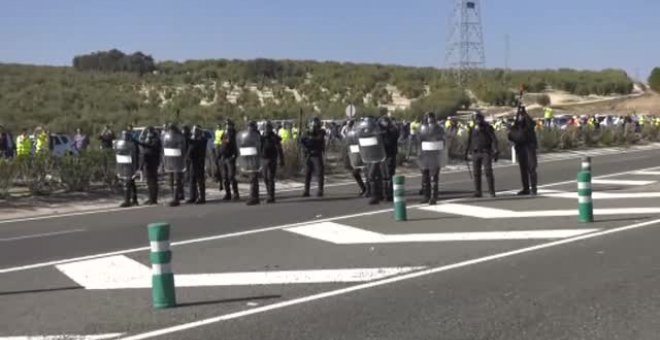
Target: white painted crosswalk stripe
(342, 234)
(605, 195)
(647, 173)
(621, 182)
(487, 213)
(121, 272)
(64, 337)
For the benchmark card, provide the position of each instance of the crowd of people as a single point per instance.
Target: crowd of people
(372, 145)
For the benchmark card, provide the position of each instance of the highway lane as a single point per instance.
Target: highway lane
(119, 230)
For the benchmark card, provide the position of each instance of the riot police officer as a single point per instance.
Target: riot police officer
(127, 164)
(228, 152)
(523, 135)
(391, 144)
(150, 151)
(174, 150)
(197, 159)
(249, 159)
(313, 143)
(271, 151)
(353, 146)
(432, 144)
(482, 144)
(372, 152)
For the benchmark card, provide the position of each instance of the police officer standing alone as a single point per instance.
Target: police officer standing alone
(391, 144)
(228, 153)
(482, 144)
(271, 151)
(313, 143)
(127, 164)
(150, 150)
(523, 136)
(249, 158)
(197, 161)
(432, 144)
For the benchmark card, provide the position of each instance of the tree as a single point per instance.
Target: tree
(654, 79)
(543, 100)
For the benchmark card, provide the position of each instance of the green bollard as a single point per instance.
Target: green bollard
(162, 279)
(399, 188)
(585, 202)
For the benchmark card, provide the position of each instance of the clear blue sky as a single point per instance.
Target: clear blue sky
(591, 34)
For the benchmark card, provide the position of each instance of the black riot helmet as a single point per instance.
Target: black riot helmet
(429, 118)
(351, 123)
(197, 132)
(269, 126)
(385, 122)
(479, 118)
(252, 126)
(229, 124)
(316, 124)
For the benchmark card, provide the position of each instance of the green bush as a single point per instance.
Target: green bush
(75, 172)
(293, 162)
(608, 138)
(36, 172)
(650, 133)
(103, 168)
(8, 172)
(549, 139)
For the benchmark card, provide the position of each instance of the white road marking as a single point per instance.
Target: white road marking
(121, 272)
(647, 173)
(64, 337)
(487, 213)
(342, 234)
(267, 229)
(603, 195)
(620, 182)
(364, 286)
(25, 237)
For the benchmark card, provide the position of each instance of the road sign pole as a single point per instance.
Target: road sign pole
(400, 214)
(162, 280)
(585, 202)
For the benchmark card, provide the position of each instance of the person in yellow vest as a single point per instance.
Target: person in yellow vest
(41, 136)
(548, 116)
(23, 145)
(217, 142)
(219, 133)
(285, 134)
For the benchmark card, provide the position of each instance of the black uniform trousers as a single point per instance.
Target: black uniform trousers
(254, 187)
(197, 181)
(151, 173)
(389, 169)
(130, 191)
(485, 159)
(430, 184)
(527, 162)
(270, 171)
(357, 175)
(229, 174)
(375, 179)
(176, 184)
(314, 165)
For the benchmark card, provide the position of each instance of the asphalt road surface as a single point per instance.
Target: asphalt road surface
(337, 268)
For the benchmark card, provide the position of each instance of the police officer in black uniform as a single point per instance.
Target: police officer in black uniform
(313, 143)
(523, 135)
(431, 146)
(197, 159)
(150, 151)
(249, 159)
(354, 156)
(127, 164)
(228, 153)
(271, 151)
(391, 143)
(482, 144)
(174, 152)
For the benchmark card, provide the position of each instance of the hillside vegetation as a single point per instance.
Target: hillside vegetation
(115, 88)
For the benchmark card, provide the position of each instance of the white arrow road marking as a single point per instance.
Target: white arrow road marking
(121, 272)
(620, 182)
(64, 337)
(487, 213)
(342, 234)
(605, 195)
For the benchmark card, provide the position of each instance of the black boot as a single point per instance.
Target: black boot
(202, 192)
(434, 194)
(234, 187)
(252, 201)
